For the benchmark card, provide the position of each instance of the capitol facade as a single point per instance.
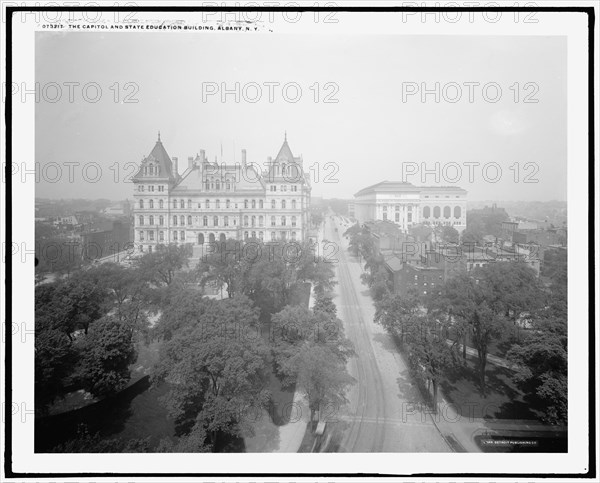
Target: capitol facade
(215, 201)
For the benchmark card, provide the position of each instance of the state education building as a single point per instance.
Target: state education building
(213, 201)
(406, 204)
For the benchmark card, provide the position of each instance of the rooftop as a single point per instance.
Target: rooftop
(396, 186)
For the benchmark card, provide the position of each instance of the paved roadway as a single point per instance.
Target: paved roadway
(383, 414)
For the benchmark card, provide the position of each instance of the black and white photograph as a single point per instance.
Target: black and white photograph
(299, 228)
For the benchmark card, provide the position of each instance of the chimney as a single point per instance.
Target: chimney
(190, 162)
(175, 167)
(243, 157)
(202, 155)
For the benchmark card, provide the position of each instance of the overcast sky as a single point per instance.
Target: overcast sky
(368, 133)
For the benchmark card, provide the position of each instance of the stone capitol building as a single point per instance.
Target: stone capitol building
(213, 201)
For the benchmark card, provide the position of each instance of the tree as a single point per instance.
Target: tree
(194, 442)
(321, 376)
(361, 241)
(488, 220)
(126, 293)
(473, 233)
(315, 268)
(325, 304)
(55, 359)
(510, 288)
(449, 234)
(217, 367)
(485, 326)
(397, 314)
(70, 304)
(107, 352)
(541, 361)
(294, 327)
(223, 266)
(429, 353)
(467, 304)
(161, 266)
(269, 281)
(85, 442)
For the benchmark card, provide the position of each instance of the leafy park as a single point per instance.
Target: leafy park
(216, 360)
(494, 338)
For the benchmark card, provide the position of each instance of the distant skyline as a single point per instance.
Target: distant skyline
(368, 133)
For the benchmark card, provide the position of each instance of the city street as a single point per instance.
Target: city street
(383, 414)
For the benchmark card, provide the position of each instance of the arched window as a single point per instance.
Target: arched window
(260, 204)
(293, 204)
(253, 220)
(151, 220)
(218, 204)
(253, 234)
(261, 221)
(226, 221)
(426, 212)
(175, 221)
(293, 221)
(436, 212)
(141, 220)
(447, 212)
(215, 221)
(246, 204)
(272, 204)
(207, 204)
(218, 185)
(227, 203)
(141, 204)
(457, 212)
(261, 235)
(200, 239)
(174, 203)
(272, 221)
(181, 204)
(211, 238)
(283, 204)
(228, 185)
(283, 221)
(222, 237)
(151, 203)
(246, 220)
(212, 184)
(207, 185)
(161, 236)
(161, 220)
(253, 204)
(189, 204)
(182, 220)
(160, 204)
(189, 220)
(205, 221)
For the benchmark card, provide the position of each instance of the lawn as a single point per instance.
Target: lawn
(503, 400)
